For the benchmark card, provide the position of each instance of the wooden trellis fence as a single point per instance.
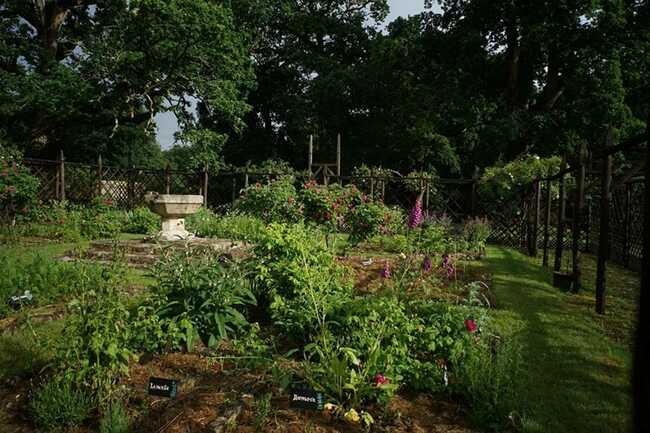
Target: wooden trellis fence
(602, 213)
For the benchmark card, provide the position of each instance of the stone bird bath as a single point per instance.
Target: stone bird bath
(173, 209)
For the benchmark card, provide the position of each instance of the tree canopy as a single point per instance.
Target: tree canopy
(481, 82)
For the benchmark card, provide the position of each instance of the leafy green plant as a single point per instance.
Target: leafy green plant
(234, 225)
(96, 350)
(59, 404)
(344, 376)
(329, 205)
(212, 295)
(141, 221)
(262, 412)
(365, 221)
(114, 420)
(18, 187)
(274, 201)
(488, 379)
(300, 279)
(476, 232)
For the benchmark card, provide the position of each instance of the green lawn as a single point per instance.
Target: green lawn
(575, 375)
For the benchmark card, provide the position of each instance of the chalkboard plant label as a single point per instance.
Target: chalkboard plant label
(306, 399)
(162, 387)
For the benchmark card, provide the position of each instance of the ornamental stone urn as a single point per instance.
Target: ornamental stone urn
(173, 209)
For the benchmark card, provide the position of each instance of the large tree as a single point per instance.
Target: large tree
(89, 76)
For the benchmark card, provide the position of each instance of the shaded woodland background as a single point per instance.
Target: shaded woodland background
(482, 83)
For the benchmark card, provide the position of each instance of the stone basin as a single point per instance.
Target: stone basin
(173, 209)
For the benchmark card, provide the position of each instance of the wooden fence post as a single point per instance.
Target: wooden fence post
(338, 156)
(131, 186)
(626, 224)
(534, 220)
(641, 375)
(559, 239)
(603, 238)
(426, 196)
(204, 179)
(62, 175)
(234, 188)
(577, 218)
(100, 174)
(474, 198)
(246, 180)
(168, 179)
(547, 222)
(372, 185)
(310, 155)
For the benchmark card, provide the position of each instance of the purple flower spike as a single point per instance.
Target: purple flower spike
(416, 217)
(427, 264)
(448, 266)
(385, 272)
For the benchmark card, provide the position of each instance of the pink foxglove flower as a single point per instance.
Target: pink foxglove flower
(385, 272)
(470, 324)
(416, 217)
(448, 266)
(427, 264)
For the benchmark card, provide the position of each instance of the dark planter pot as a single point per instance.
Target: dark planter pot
(563, 281)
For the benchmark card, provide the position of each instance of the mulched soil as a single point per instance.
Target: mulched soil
(210, 393)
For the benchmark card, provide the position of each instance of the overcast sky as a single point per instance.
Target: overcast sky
(166, 122)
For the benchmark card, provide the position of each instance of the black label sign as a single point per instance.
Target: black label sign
(162, 387)
(306, 399)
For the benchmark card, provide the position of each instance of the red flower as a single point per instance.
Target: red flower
(470, 324)
(380, 380)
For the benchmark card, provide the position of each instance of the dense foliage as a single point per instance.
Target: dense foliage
(252, 79)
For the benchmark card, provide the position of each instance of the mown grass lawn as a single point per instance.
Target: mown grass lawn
(576, 370)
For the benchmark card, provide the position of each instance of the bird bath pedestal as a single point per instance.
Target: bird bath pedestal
(173, 209)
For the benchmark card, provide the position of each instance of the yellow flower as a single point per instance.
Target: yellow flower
(352, 417)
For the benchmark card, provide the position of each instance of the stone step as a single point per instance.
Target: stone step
(108, 256)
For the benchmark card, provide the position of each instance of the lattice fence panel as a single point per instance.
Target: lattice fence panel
(48, 174)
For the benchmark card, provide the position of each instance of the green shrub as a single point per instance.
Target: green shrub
(72, 223)
(18, 187)
(235, 226)
(488, 379)
(141, 221)
(300, 279)
(476, 232)
(346, 375)
(96, 349)
(97, 224)
(59, 405)
(275, 201)
(365, 221)
(434, 239)
(211, 295)
(414, 336)
(329, 205)
(114, 420)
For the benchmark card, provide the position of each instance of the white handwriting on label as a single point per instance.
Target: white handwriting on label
(297, 397)
(159, 387)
